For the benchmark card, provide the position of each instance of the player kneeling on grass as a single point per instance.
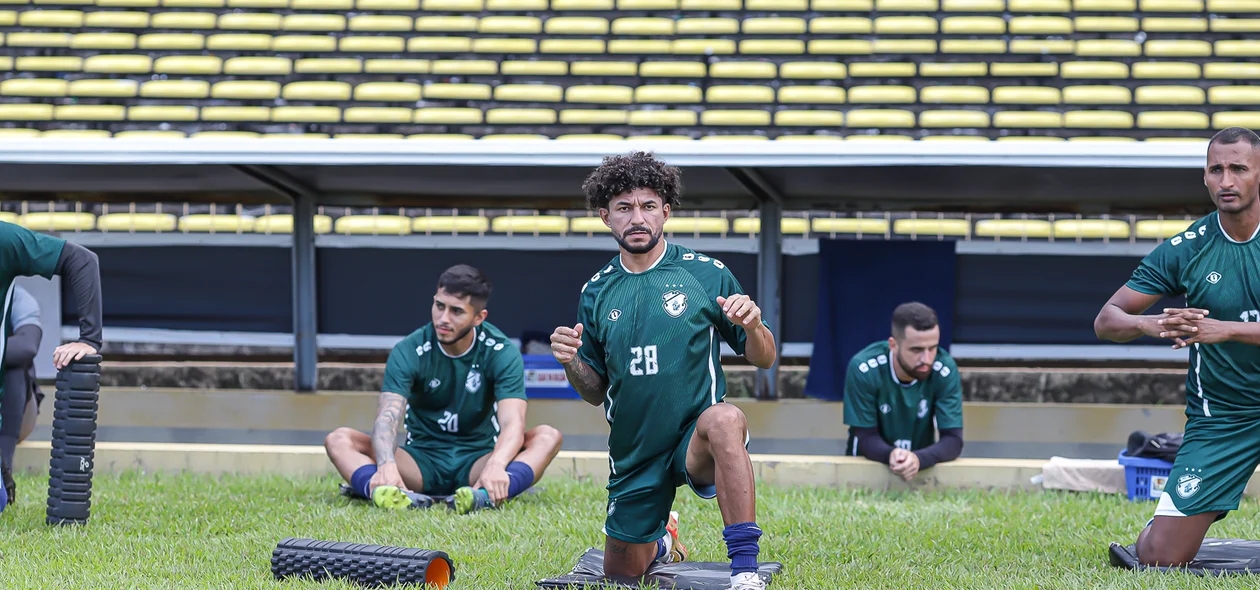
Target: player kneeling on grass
(461, 383)
(647, 347)
(1214, 264)
(899, 392)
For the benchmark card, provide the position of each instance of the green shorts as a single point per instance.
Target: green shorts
(444, 468)
(639, 502)
(1216, 459)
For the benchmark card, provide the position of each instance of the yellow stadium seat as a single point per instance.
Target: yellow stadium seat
(258, 3)
(175, 89)
(576, 25)
(973, 46)
(1233, 6)
(588, 136)
(1108, 48)
(258, 66)
(114, 41)
(1097, 95)
(516, 5)
(1105, 5)
(588, 225)
(1172, 120)
(973, 5)
(1041, 47)
(573, 46)
(294, 136)
(439, 45)
(318, 65)
(332, 5)
(741, 94)
(1027, 95)
(667, 94)
(840, 47)
(396, 66)
(373, 225)
(1177, 48)
(1041, 25)
(216, 223)
(89, 112)
(864, 118)
(881, 94)
(1106, 24)
(953, 119)
(841, 25)
(1167, 69)
(1013, 228)
(168, 113)
(1039, 5)
(378, 115)
(696, 225)
(283, 224)
(812, 118)
(882, 69)
(128, 3)
(931, 227)
(40, 63)
(812, 70)
(906, 5)
(903, 46)
(1033, 119)
(954, 138)
(844, 225)
(59, 221)
(1248, 119)
(25, 112)
(103, 88)
(1170, 95)
(593, 117)
(224, 135)
(172, 42)
(200, 65)
(8, 18)
(485, 45)
(599, 94)
(42, 87)
(449, 116)
(246, 90)
(1103, 138)
(1091, 229)
(136, 222)
(308, 43)
(1174, 25)
(669, 118)
(38, 39)
(663, 69)
(529, 92)
(256, 114)
(711, 4)
(798, 137)
(451, 224)
(306, 115)
(534, 68)
(52, 19)
(447, 24)
(954, 69)
(743, 69)
(733, 117)
(1234, 94)
(10, 132)
(452, 91)
(510, 25)
(1240, 71)
(1195, 140)
(452, 5)
(1161, 229)
(530, 224)
(239, 42)
(842, 5)
(1094, 70)
(905, 25)
(647, 4)
(954, 95)
(973, 25)
(581, 4)
(811, 95)
(1235, 25)
(702, 47)
(779, 5)
(118, 64)
(387, 92)
(372, 44)
(775, 26)
(184, 20)
(641, 26)
(116, 20)
(464, 67)
(380, 23)
(76, 134)
(250, 21)
(337, 91)
(1243, 48)
(314, 22)
(1024, 69)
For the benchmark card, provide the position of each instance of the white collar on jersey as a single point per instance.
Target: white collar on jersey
(664, 251)
(893, 372)
(1228, 237)
(462, 354)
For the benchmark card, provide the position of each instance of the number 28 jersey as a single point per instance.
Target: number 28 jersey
(656, 336)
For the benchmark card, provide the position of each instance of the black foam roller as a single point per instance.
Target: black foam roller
(70, 465)
(71, 380)
(367, 565)
(65, 403)
(73, 442)
(79, 427)
(75, 414)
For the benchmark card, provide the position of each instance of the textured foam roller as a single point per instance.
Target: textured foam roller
(367, 565)
(73, 442)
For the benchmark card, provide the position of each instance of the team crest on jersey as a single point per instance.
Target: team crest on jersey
(1188, 485)
(885, 408)
(614, 315)
(675, 303)
(434, 384)
(923, 408)
(473, 383)
(1214, 277)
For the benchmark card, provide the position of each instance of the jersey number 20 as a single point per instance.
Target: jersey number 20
(643, 361)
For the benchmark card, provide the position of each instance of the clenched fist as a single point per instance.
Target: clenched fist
(741, 310)
(565, 343)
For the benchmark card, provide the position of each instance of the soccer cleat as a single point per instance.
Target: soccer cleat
(677, 551)
(747, 581)
(395, 498)
(468, 500)
(10, 486)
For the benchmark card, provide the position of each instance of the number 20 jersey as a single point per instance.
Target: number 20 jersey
(656, 336)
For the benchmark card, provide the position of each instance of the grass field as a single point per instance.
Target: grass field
(162, 531)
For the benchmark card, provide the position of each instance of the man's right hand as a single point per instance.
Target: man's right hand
(565, 343)
(387, 475)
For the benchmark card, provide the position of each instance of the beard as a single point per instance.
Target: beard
(456, 337)
(632, 249)
(913, 373)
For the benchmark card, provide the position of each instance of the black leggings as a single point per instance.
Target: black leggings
(12, 409)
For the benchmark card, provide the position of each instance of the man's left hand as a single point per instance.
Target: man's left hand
(741, 310)
(908, 467)
(495, 481)
(68, 353)
(1192, 326)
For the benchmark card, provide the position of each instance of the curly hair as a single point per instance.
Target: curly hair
(622, 174)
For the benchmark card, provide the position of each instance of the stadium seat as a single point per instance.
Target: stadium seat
(1111, 229)
(834, 25)
(1024, 70)
(251, 42)
(973, 46)
(136, 222)
(1232, 6)
(576, 25)
(870, 118)
(1160, 229)
(196, 65)
(441, 45)
(446, 24)
(516, 5)
(1027, 95)
(1108, 48)
(953, 69)
(615, 68)
(104, 41)
(452, 5)
(396, 66)
(581, 4)
(378, 115)
(216, 223)
(906, 25)
(529, 92)
(162, 113)
(847, 225)
(810, 70)
(743, 69)
(1232, 71)
(316, 91)
(1167, 70)
(587, 225)
(40, 63)
(289, 114)
(882, 70)
(954, 95)
(1093, 70)
(1097, 95)
(530, 224)
(931, 227)
(1248, 119)
(1172, 120)
(954, 138)
(1040, 25)
(1191, 95)
(447, 91)
(240, 114)
(246, 90)
(1030, 119)
(1013, 228)
(387, 92)
(647, 4)
(258, 66)
(250, 21)
(696, 225)
(778, 26)
(904, 46)
(448, 116)
(26, 112)
(59, 221)
(463, 67)
(323, 23)
(588, 136)
(534, 68)
(1174, 25)
(76, 134)
(811, 95)
(665, 118)
(451, 224)
(741, 94)
(380, 23)
(1098, 119)
(668, 94)
(973, 5)
(1244, 48)
(51, 19)
(881, 94)
(369, 44)
(372, 225)
(1235, 25)
(953, 119)
(510, 25)
(711, 4)
(1039, 5)
(809, 118)
(1105, 5)
(317, 65)
(521, 117)
(224, 135)
(152, 134)
(1177, 48)
(42, 87)
(103, 88)
(1106, 24)
(599, 94)
(973, 25)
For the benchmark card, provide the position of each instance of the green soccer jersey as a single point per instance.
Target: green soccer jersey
(1222, 276)
(907, 414)
(452, 400)
(23, 253)
(656, 336)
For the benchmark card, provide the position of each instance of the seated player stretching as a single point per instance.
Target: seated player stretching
(647, 347)
(899, 392)
(1214, 264)
(461, 383)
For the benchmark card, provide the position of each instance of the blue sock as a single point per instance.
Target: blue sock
(4, 498)
(360, 480)
(660, 548)
(520, 477)
(741, 546)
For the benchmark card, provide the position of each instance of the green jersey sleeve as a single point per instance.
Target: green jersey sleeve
(861, 396)
(27, 253)
(948, 404)
(1160, 271)
(507, 370)
(400, 371)
(592, 350)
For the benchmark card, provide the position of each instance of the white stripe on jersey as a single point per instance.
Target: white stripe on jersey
(1198, 381)
(712, 372)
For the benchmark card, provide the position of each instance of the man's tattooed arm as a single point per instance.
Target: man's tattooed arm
(586, 382)
(389, 410)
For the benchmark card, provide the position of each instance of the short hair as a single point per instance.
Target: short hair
(1234, 135)
(912, 314)
(465, 281)
(622, 174)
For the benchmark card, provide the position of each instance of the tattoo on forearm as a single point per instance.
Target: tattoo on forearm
(385, 430)
(586, 381)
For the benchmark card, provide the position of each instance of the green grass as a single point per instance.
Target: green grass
(163, 531)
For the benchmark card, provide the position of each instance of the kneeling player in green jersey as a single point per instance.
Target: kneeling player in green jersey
(461, 383)
(1214, 264)
(647, 347)
(899, 392)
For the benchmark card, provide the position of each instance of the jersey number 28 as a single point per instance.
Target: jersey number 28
(643, 360)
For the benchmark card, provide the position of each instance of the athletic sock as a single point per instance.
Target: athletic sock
(4, 495)
(360, 480)
(741, 546)
(663, 547)
(520, 477)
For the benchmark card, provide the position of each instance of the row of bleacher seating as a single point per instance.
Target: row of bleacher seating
(75, 133)
(1031, 228)
(776, 6)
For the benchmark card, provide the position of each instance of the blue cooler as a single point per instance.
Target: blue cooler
(545, 379)
(1145, 478)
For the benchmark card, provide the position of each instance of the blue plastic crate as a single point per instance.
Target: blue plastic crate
(1144, 478)
(545, 378)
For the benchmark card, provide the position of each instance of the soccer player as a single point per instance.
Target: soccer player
(899, 392)
(647, 347)
(461, 384)
(27, 253)
(1214, 263)
(21, 397)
